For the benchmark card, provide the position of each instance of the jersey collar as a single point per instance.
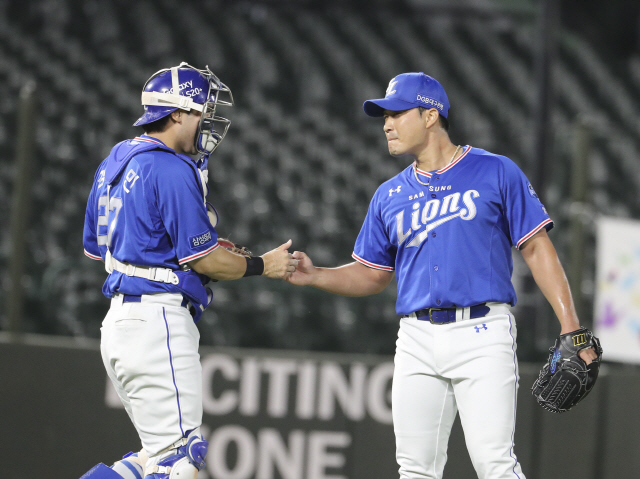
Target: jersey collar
(200, 163)
(149, 139)
(427, 175)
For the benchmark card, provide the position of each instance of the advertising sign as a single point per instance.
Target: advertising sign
(303, 416)
(617, 306)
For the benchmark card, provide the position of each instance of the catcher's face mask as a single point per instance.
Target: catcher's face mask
(188, 88)
(208, 137)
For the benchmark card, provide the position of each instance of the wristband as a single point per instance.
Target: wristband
(255, 266)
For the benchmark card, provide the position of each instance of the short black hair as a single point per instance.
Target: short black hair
(157, 126)
(444, 123)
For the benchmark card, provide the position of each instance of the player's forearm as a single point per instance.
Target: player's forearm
(549, 275)
(353, 279)
(221, 265)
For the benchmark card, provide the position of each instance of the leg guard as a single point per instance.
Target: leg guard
(101, 472)
(183, 462)
(130, 467)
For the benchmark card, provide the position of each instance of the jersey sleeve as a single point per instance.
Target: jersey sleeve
(183, 212)
(89, 235)
(373, 247)
(525, 212)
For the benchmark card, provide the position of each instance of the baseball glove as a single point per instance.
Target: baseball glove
(234, 247)
(565, 379)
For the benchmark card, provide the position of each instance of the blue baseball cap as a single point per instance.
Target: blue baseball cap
(410, 90)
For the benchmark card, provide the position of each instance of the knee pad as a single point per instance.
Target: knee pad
(130, 467)
(181, 463)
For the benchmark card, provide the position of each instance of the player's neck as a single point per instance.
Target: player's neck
(437, 154)
(167, 137)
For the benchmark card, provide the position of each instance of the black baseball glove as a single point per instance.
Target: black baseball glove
(565, 379)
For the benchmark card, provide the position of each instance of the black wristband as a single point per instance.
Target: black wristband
(255, 266)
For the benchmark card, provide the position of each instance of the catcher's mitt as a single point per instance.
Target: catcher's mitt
(565, 379)
(234, 247)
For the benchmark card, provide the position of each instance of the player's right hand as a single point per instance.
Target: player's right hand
(303, 275)
(279, 263)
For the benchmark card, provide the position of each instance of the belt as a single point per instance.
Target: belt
(137, 298)
(448, 315)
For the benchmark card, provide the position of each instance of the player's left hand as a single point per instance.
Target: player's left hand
(571, 369)
(588, 355)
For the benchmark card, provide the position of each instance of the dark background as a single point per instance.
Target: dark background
(301, 160)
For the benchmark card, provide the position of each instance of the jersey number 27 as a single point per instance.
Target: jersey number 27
(115, 204)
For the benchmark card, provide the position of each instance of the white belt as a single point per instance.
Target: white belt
(161, 275)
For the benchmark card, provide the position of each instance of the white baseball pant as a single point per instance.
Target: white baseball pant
(150, 351)
(468, 366)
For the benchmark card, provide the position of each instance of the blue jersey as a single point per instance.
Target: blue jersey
(448, 234)
(153, 215)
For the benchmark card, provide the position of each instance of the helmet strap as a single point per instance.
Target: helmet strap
(174, 81)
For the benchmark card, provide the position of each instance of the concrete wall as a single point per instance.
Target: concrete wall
(327, 415)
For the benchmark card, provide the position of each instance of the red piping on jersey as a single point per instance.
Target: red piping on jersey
(148, 140)
(446, 168)
(198, 255)
(371, 265)
(92, 256)
(535, 230)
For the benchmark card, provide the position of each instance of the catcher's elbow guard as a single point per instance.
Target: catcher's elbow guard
(566, 379)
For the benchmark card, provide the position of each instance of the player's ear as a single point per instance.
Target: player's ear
(177, 116)
(430, 117)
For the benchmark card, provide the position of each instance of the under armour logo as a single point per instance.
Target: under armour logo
(478, 328)
(397, 190)
(390, 90)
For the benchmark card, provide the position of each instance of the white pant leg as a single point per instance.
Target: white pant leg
(150, 351)
(423, 404)
(484, 372)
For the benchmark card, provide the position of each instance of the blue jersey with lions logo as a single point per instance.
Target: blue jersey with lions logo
(448, 234)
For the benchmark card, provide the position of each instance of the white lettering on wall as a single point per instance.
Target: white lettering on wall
(279, 371)
(349, 393)
(228, 368)
(320, 458)
(253, 386)
(269, 456)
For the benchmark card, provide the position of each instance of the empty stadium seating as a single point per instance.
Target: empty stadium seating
(300, 161)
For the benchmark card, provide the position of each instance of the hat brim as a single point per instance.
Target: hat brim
(378, 106)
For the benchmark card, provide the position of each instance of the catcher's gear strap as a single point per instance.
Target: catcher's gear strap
(255, 266)
(162, 275)
(154, 98)
(182, 459)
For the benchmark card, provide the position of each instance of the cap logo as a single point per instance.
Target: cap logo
(430, 101)
(390, 90)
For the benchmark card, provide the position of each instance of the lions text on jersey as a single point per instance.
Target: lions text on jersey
(449, 233)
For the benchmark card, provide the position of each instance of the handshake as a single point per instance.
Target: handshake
(294, 267)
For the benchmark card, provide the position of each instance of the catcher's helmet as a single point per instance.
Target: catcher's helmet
(187, 88)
